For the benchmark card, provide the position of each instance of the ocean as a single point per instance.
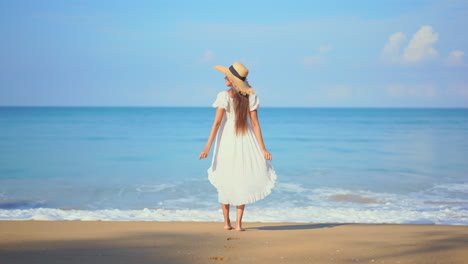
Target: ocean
(334, 165)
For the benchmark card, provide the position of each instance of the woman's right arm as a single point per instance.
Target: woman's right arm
(258, 133)
(214, 130)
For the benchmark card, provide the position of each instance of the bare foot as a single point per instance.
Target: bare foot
(228, 227)
(240, 229)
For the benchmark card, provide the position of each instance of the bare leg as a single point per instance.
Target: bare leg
(240, 213)
(227, 222)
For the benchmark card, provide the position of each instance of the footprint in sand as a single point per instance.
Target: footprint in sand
(217, 258)
(228, 246)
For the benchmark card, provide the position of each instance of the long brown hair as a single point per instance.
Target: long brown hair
(241, 107)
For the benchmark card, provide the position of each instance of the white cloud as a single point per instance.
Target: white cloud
(455, 58)
(313, 60)
(330, 92)
(325, 48)
(395, 90)
(419, 49)
(412, 90)
(208, 56)
(338, 91)
(391, 50)
(317, 60)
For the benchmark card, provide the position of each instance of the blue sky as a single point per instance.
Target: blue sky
(394, 53)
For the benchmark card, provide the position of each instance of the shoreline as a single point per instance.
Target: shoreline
(232, 217)
(77, 241)
(322, 214)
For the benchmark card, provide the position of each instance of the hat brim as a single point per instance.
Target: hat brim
(236, 82)
(221, 69)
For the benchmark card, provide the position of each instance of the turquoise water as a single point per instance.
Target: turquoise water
(333, 164)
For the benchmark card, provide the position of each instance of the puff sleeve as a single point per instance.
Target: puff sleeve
(254, 102)
(221, 101)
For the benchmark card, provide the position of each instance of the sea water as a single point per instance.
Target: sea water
(335, 165)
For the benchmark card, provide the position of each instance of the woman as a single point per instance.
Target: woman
(239, 169)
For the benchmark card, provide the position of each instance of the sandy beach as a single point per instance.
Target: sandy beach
(206, 242)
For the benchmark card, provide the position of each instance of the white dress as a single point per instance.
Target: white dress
(239, 170)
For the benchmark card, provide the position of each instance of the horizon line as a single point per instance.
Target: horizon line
(165, 106)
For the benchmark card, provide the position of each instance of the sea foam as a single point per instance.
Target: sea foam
(313, 214)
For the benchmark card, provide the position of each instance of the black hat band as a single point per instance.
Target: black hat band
(235, 73)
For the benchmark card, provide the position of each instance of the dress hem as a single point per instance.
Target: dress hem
(253, 197)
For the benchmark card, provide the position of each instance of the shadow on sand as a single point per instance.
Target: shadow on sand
(298, 227)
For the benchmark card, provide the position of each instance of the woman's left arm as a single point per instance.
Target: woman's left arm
(214, 130)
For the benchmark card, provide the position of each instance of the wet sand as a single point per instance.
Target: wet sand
(207, 242)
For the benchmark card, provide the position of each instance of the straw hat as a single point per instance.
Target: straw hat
(237, 74)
